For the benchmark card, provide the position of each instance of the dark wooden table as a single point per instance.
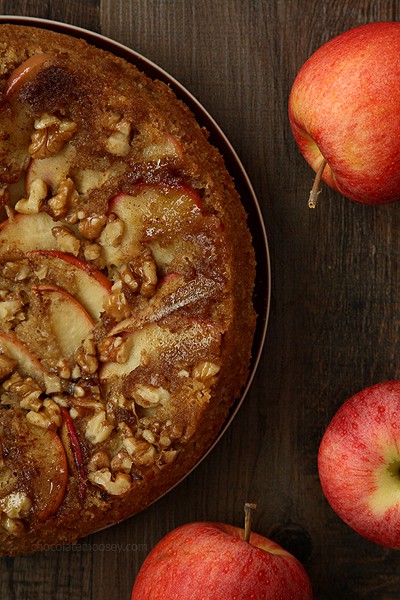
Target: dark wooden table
(334, 324)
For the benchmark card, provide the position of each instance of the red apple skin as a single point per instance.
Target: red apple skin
(359, 463)
(24, 72)
(213, 561)
(345, 105)
(75, 262)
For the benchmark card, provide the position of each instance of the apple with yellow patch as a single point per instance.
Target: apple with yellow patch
(344, 110)
(359, 463)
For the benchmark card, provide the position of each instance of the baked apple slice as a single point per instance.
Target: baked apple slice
(157, 340)
(28, 363)
(24, 233)
(167, 147)
(47, 453)
(25, 72)
(15, 121)
(150, 212)
(66, 317)
(88, 285)
(39, 458)
(172, 293)
(52, 170)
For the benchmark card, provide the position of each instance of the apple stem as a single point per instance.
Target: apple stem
(248, 511)
(312, 201)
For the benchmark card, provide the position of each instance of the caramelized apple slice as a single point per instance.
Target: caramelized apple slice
(88, 179)
(47, 452)
(150, 212)
(38, 456)
(168, 147)
(24, 233)
(28, 363)
(172, 294)
(15, 127)
(52, 170)
(25, 72)
(16, 122)
(156, 340)
(68, 320)
(88, 285)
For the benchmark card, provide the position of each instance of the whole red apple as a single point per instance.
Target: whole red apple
(359, 463)
(344, 107)
(213, 561)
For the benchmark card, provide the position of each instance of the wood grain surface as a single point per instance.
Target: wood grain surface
(334, 320)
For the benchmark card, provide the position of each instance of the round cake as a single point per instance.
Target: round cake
(126, 281)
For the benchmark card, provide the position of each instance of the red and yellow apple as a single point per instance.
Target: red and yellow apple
(344, 108)
(214, 561)
(359, 463)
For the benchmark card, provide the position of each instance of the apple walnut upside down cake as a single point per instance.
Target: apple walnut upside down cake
(126, 278)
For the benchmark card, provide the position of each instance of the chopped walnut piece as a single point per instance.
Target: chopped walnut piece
(113, 349)
(98, 460)
(91, 227)
(98, 428)
(121, 485)
(33, 204)
(13, 526)
(144, 267)
(60, 400)
(15, 377)
(66, 240)
(121, 462)
(128, 278)
(164, 441)
(9, 311)
(118, 142)
(63, 369)
(53, 411)
(116, 305)
(205, 370)
(27, 389)
(39, 419)
(16, 505)
(166, 458)
(48, 417)
(141, 452)
(92, 251)
(52, 383)
(50, 135)
(18, 270)
(148, 395)
(41, 272)
(79, 392)
(85, 357)
(149, 436)
(66, 195)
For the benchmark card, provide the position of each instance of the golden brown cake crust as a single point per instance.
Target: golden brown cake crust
(126, 281)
